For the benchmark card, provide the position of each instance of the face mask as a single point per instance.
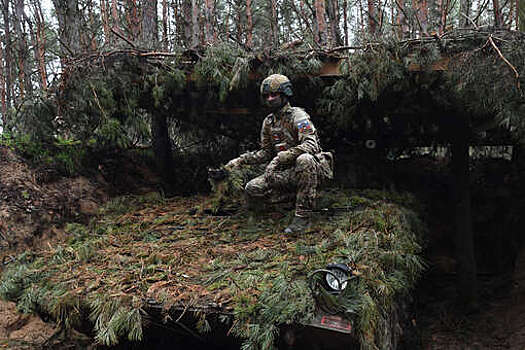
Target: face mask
(275, 104)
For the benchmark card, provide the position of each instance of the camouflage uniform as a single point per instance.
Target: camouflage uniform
(290, 144)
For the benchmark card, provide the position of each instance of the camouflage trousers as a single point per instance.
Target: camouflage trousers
(303, 178)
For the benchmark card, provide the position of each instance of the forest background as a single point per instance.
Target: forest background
(175, 82)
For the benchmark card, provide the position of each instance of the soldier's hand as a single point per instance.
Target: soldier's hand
(285, 157)
(232, 164)
(273, 165)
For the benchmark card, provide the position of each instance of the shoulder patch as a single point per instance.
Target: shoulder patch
(304, 125)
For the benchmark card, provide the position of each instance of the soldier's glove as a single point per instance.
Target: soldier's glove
(285, 157)
(232, 164)
(218, 174)
(271, 168)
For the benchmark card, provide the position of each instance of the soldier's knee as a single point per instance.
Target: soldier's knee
(249, 188)
(253, 188)
(304, 161)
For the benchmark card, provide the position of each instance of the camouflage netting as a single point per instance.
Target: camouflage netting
(171, 252)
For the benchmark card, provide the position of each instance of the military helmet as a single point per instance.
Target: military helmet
(277, 83)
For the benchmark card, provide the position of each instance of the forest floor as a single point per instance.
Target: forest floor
(499, 323)
(32, 214)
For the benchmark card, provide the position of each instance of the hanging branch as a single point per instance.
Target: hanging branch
(123, 38)
(506, 61)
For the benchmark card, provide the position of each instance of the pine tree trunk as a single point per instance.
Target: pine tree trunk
(466, 262)
(8, 55)
(105, 20)
(249, 24)
(521, 14)
(320, 11)
(464, 13)
(372, 25)
(162, 147)
(333, 16)
(150, 36)
(115, 17)
(345, 20)
(133, 20)
(186, 17)
(24, 72)
(401, 20)
(39, 44)
(164, 25)
(93, 35)
(498, 21)
(69, 22)
(421, 8)
(2, 92)
(274, 25)
(209, 10)
(194, 23)
(238, 25)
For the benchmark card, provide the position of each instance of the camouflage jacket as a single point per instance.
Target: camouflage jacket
(290, 129)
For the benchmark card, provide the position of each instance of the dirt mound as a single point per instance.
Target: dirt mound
(31, 208)
(19, 331)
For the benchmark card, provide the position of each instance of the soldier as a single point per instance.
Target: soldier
(290, 146)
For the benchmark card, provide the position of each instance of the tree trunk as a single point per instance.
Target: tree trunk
(186, 17)
(372, 21)
(40, 44)
(464, 13)
(498, 20)
(209, 16)
(333, 16)
(320, 12)
(401, 20)
(249, 24)
(92, 37)
(2, 92)
(162, 147)
(165, 25)
(132, 17)
(69, 22)
(195, 23)
(466, 262)
(150, 36)
(274, 25)
(238, 24)
(24, 71)
(115, 18)
(8, 55)
(444, 15)
(345, 20)
(521, 15)
(105, 20)
(421, 9)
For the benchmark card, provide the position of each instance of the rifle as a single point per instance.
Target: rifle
(218, 174)
(351, 209)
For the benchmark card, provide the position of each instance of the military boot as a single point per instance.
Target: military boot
(299, 224)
